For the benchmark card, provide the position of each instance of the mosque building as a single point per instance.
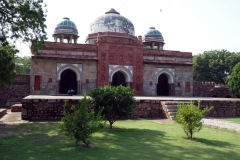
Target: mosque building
(112, 55)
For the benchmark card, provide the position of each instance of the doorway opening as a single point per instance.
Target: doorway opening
(162, 86)
(118, 79)
(68, 81)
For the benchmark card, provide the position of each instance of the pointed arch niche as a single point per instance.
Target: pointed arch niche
(164, 80)
(127, 71)
(74, 69)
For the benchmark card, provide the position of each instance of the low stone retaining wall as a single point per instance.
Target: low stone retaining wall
(51, 109)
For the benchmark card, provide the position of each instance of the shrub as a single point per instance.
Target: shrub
(189, 117)
(118, 102)
(82, 122)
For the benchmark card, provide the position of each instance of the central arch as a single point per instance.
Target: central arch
(118, 79)
(162, 85)
(68, 81)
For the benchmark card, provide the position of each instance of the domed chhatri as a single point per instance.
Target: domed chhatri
(153, 35)
(112, 21)
(66, 29)
(153, 38)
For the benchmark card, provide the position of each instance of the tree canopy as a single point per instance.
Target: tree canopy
(234, 81)
(22, 65)
(20, 20)
(214, 65)
(7, 64)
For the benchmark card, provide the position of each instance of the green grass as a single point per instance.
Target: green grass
(233, 120)
(129, 140)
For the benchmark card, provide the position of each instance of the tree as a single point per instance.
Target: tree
(21, 20)
(214, 66)
(22, 65)
(82, 122)
(118, 102)
(7, 65)
(189, 117)
(234, 81)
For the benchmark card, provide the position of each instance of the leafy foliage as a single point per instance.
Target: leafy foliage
(7, 65)
(214, 66)
(118, 102)
(22, 19)
(22, 65)
(189, 117)
(82, 122)
(234, 81)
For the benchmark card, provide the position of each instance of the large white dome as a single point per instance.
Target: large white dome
(112, 21)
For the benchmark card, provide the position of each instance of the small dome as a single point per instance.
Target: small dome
(153, 35)
(112, 21)
(66, 26)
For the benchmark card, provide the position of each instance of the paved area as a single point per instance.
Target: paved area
(162, 98)
(15, 118)
(12, 118)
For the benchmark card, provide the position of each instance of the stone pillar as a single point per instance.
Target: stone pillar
(159, 47)
(156, 87)
(152, 45)
(61, 38)
(75, 40)
(79, 88)
(58, 86)
(171, 89)
(71, 37)
(140, 38)
(55, 38)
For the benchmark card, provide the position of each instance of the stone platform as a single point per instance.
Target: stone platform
(44, 107)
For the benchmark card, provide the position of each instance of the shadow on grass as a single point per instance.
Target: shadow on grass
(44, 141)
(213, 143)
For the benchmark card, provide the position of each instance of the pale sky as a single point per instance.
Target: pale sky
(186, 25)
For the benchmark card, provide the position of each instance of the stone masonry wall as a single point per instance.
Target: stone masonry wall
(183, 75)
(19, 89)
(46, 68)
(40, 109)
(210, 89)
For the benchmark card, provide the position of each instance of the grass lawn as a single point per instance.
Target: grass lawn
(232, 120)
(131, 139)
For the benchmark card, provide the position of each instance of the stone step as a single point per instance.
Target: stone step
(9, 104)
(172, 109)
(171, 106)
(172, 113)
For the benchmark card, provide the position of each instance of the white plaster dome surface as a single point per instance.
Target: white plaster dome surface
(112, 21)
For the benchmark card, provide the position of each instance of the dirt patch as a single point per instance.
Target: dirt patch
(9, 130)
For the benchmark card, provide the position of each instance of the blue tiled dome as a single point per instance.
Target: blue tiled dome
(154, 35)
(66, 24)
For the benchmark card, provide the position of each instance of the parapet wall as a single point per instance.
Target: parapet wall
(51, 109)
(211, 89)
(19, 89)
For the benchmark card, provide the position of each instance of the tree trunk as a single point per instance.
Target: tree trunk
(191, 133)
(111, 125)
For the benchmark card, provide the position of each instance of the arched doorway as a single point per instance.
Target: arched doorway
(118, 79)
(68, 81)
(162, 86)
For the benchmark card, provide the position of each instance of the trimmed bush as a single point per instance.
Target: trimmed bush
(190, 117)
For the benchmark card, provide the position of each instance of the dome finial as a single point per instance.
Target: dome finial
(112, 10)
